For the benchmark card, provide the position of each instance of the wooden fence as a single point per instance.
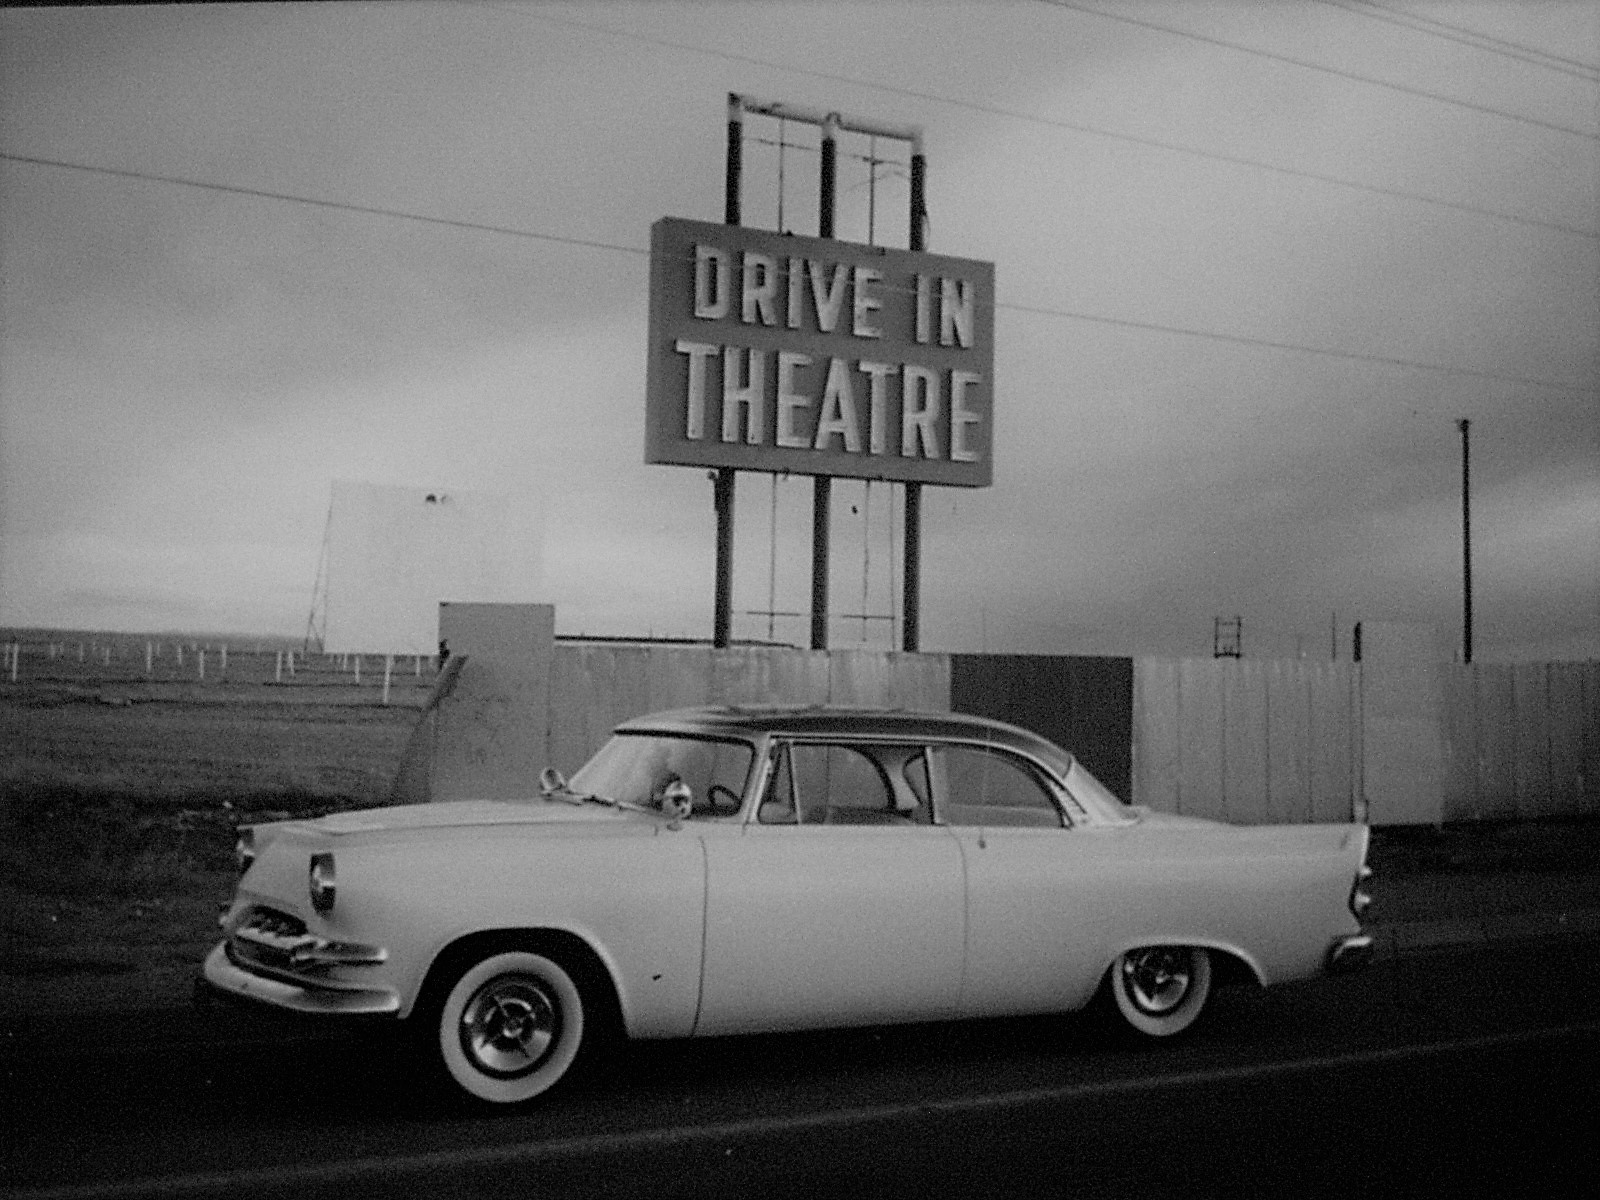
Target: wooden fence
(1521, 740)
(1247, 741)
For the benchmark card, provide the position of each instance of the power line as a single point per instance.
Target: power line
(343, 205)
(1306, 64)
(1470, 37)
(1057, 123)
(1243, 340)
(593, 244)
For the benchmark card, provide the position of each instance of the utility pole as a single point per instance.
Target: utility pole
(1466, 543)
(723, 478)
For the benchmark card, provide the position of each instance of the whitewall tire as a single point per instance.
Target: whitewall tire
(511, 1026)
(1161, 990)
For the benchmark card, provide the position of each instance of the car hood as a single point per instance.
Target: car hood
(456, 814)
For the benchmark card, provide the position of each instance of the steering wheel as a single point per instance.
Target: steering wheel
(724, 801)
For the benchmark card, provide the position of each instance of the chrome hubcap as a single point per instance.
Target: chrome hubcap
(510, 1025)
(1157, 979)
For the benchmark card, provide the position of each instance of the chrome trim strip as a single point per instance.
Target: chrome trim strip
(308, 950)
(227, 976)
(338, 954)
(290, 972)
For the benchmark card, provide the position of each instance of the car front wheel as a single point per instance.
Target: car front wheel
(1160, 990)
(511, 1026)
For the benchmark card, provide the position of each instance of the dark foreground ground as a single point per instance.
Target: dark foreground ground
(1458, 1071)
(1464, 1062)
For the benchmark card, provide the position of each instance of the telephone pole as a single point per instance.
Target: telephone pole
(1466, 543)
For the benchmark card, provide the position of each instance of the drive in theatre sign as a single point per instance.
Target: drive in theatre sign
(771, 352)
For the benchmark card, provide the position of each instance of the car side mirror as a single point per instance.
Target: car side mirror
(551, 781)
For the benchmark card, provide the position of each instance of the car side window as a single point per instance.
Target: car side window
(821, 784)
(988, 787)
(914, 770)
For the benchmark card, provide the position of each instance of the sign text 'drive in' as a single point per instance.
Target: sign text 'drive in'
(771, 352)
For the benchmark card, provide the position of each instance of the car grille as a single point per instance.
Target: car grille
(266, 939)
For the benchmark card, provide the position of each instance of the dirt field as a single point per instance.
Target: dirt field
(120, 792)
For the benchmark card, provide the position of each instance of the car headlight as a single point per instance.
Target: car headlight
(244, 849)
(323, 882)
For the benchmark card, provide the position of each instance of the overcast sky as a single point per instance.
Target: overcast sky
(1253, 262)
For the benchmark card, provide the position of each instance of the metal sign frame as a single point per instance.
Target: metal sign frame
(831, 123)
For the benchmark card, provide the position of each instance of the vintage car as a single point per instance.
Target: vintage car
(730, 870)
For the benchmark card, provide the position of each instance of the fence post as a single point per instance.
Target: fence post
(388, 667)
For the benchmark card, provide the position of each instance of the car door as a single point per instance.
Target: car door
(1037, 894)
(839, 902)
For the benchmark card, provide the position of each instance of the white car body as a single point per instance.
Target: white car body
(942, 896)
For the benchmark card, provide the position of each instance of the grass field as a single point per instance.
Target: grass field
(121, 789)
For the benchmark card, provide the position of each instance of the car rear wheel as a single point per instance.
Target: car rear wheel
(1161, 990)
(511, 1026)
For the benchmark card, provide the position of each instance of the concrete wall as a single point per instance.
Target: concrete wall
(491, 736)
(594, 686)
(1251, 741)
(521, 702)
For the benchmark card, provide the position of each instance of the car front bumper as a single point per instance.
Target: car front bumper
(221, 974)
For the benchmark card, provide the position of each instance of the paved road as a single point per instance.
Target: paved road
(1460, 1071)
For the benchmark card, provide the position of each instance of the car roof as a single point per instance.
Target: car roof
(818, 720)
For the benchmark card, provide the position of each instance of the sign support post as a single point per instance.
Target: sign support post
(722, 479)
(911, 569)
(822, 485)
(777, 352)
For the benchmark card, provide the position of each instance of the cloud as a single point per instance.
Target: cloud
(184, 372)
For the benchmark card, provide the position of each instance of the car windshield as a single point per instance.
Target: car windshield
(637, 768)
